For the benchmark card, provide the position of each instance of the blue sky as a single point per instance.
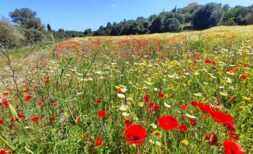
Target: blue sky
(82, 14)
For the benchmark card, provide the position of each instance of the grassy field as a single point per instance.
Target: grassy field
(187, 92)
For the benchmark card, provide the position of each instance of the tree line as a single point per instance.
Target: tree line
(26, 28)
(192, 17)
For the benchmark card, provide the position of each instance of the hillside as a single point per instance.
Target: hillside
(187, 92)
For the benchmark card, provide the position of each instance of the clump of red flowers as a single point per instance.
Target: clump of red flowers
(223, 118)
(202, 106)
(184, 107)
(161, 95)
(193, 121)
(1, 121)
(98, 101)
(233, 69)
(168, 122)
(153, 107)
(4, 151)
(135, 134)
(21, 116)
(101, 114)
(220, 117)
(230, 147)
(27, 98)
(146, 98)
(98, 141)
(4, 103)
(183, 128)
(243, 76)
(209, 61)
(35, 119)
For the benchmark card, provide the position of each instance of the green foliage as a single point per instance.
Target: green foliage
(9, 35)
(33, 36)
(171, 25)
(156, 25)
(207, 16)
(26, 18)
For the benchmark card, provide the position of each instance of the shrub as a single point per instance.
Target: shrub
(207, 16)
(171, 25)
(33, 36)
(9, 35)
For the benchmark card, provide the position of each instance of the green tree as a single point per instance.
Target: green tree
(156, 25)
(9, 35)
(171, 25)
(26, 18)
(207, 16)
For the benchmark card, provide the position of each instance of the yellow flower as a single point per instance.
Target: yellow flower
(246, 98)
(184, 142)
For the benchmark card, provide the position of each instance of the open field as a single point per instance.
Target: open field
(163, 93)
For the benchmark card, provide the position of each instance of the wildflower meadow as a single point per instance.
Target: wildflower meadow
(188, 92)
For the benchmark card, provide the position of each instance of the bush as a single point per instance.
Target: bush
(207, 16)
(171, 25)
(9, 35)
(33, 36)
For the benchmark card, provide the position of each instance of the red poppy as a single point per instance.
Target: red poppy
(183, 128)
(4, 151)
(233, 69)
(244, 76)
(21, 115)
(135, 134)
(193, 121)
(246, 65)
(233, 135)
(161, 95)
(210, 61)
(27, 98)
(98, 101)
(146, 98)
(230, 147)
(168, 122)
(5, 103)
(202, 106)
(1, 121)
(153, 107)
(101, 114)
(128, 122)
(211, 138)
(223, 118)
(35, 119)
(184, 107)
(98, 141)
